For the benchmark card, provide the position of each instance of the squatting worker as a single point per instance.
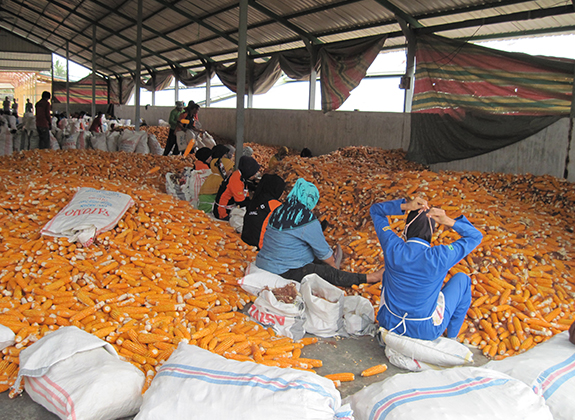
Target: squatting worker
(258, 211)
(277, 158)
(413, 301)
(44, 120)
(294, 245)
(204, 157)
(572, 333)
(221, 168)
(173, 121)
(233, 191)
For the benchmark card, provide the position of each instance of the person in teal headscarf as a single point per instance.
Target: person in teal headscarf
(294, 245)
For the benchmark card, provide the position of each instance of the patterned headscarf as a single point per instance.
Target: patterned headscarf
(297, 210)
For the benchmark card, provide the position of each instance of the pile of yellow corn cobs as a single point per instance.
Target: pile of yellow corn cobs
(167, 273)
(522, 272)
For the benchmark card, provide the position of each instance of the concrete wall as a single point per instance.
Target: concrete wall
(79, 107)
(540, 154)
(322, 133)
(543, 153)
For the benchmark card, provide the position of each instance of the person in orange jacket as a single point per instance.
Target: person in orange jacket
(233, 191)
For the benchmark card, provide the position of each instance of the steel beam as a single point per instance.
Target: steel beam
(93, 71)
(241, 80)
(138, 65)
(399, 13)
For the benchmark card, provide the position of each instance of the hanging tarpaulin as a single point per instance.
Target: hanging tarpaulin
(163, 79)
(81, 91)
(188, 79)
(263, 75)
(469, 100)
(123, 86)
(343, 67)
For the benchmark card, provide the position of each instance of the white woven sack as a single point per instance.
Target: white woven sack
(154, 145)
(99, 142)
(441, 351)
(142, 145)
(78, 376)
(237, 218)
(358, 316)
(323, 306)
(113, 140)
(82, 140)
(549, 369)
(286, 319)
(6, 145)
(195, 384)
(128, 141)
(453, 394)
(89, 213)
(255, 279)
(70, 142)
(7, 337)
(193, 184)
(54, 145)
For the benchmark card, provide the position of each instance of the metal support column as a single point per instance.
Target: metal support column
(93, 71)
(138, 65)
(67, 79)
(572, 113)
(52, 76)
(250, 69)
(408, 80)
(312, 77)
(241, 81)
(176, 90)
(208, 88)
(154, 89)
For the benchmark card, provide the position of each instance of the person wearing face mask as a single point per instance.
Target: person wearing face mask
(414, 301)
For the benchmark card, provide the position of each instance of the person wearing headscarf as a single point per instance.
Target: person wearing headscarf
(221, 168)
(203, 158)
(260, 208)
(247, 151)
(277, 158)
(414, 301)
(173, 121)
(294, 245)
(233, 191)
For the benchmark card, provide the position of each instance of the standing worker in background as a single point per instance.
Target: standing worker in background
(6, 105)
(414, 300)
(96, 126)
(29, 107)
(44, 120)
(15, 108)
(173, 121)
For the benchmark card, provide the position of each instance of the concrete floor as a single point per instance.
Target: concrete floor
(338, 355)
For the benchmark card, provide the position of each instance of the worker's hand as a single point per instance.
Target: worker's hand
(415, 204)
(440, 217)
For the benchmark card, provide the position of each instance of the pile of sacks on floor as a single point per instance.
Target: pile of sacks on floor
(73, 133)
(77, 375)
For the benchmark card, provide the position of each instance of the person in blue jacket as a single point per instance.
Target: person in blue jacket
(294, 245)
(414, 301)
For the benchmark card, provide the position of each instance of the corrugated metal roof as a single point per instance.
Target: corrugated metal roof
(184, 32)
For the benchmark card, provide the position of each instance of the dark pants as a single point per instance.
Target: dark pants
(171, 143)
(44, 135)
(326, 272)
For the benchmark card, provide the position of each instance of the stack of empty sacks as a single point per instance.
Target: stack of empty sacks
(73, 133)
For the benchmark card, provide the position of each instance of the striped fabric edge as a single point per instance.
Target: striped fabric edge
(54, 395)
(383, 408)
(554, 82)
(217, 377)
(551, 379)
